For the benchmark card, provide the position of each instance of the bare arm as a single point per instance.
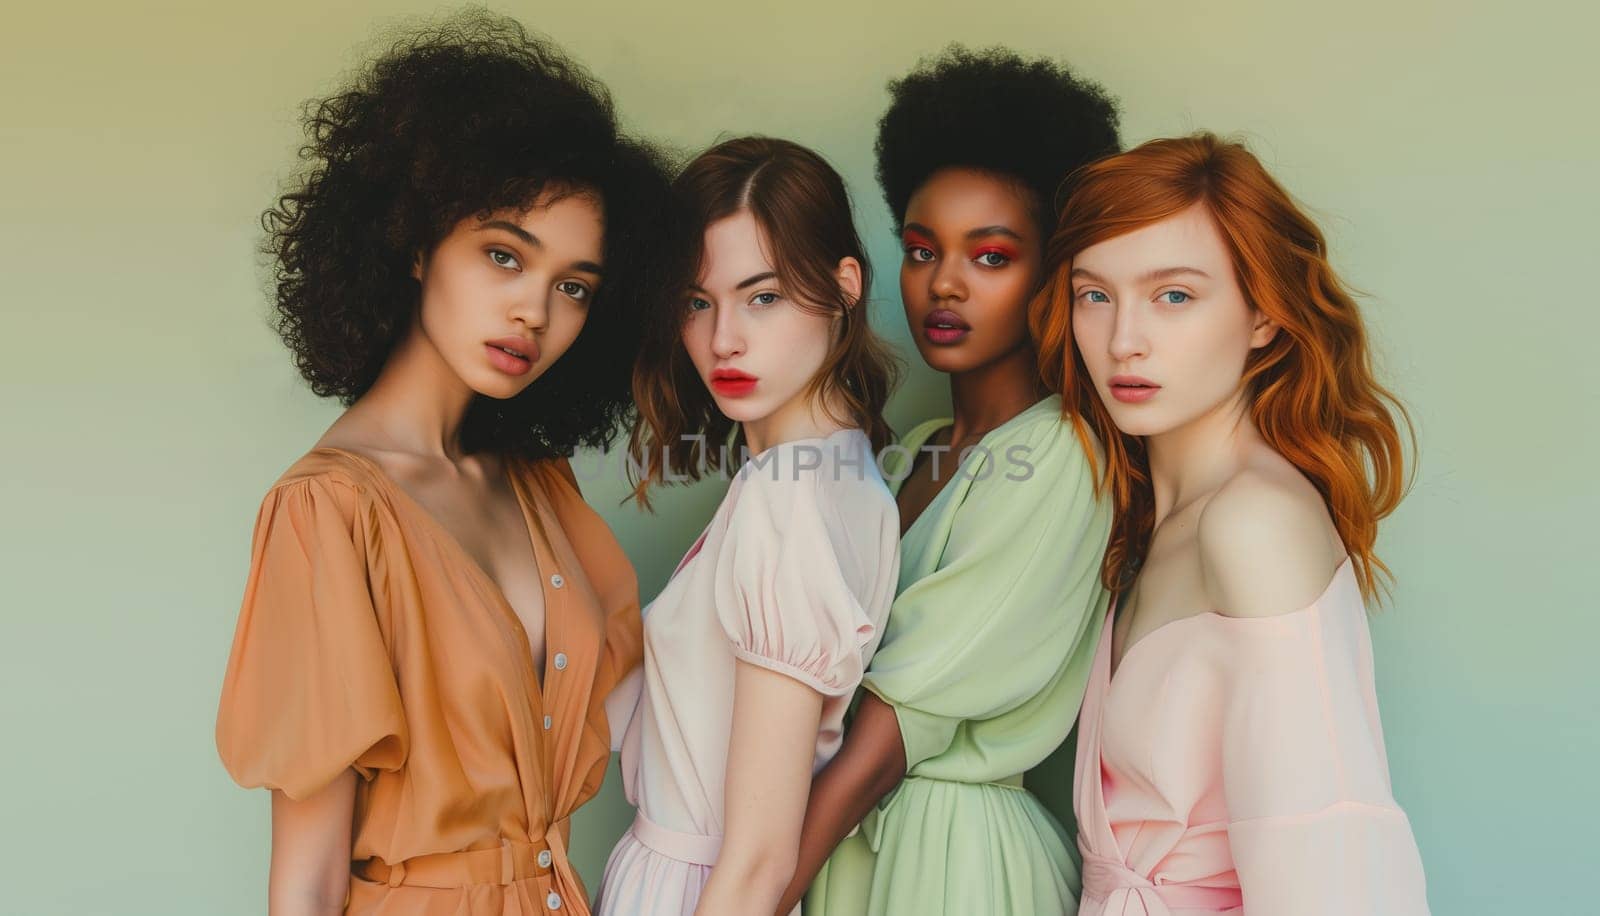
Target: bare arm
(775, 722)
(311, 850)
(868, 767)
(621, 703)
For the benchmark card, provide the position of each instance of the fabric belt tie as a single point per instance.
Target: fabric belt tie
(693, 848)
(1126, 891)
(509, 862)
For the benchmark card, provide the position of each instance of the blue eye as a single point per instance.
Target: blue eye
(993, 259)
(1094, 295)
(696, 304)
(574, 289)
(503, 259)
(1181, 297)
(918, 254)
(764, 298)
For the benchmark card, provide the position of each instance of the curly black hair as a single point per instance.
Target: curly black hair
(1033, 121)
(459, 119)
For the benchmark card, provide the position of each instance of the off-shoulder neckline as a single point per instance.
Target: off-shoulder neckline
(1344, 569)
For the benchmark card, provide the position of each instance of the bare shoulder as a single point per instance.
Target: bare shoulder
(1267, 543)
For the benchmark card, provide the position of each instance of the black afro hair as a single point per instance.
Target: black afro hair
(1030, 120)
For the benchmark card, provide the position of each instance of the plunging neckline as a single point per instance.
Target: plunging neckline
(443, 535)
(945, 490)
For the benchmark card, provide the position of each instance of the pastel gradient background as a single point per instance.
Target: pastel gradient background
(147, 404)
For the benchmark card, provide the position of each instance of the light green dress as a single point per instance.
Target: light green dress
(985, 659)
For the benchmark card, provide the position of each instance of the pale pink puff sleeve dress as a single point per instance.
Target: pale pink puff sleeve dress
(1236, 765)
(795, 573)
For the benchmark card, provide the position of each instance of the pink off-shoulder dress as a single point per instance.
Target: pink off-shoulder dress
(1236, 765)
(795, 573)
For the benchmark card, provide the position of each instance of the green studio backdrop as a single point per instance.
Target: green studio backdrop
(1448, 149)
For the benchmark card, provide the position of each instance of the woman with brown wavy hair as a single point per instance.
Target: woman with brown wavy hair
(1230, 755)
(756, 644)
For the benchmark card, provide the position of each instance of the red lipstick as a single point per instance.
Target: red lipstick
(1132, 389)
(944, 327)
(512, 355)
(732, 382)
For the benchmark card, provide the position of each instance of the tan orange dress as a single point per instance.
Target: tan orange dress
(369, 638)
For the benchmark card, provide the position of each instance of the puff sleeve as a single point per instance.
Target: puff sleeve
(309, 688)
(1312, 824)
(788, 590)
(1012, 610)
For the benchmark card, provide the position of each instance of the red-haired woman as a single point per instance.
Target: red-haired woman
(1230, 756)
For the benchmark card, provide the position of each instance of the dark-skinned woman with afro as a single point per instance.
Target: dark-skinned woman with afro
(991, 635)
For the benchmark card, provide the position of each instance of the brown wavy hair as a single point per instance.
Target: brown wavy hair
(803, 211)
(1312, 392)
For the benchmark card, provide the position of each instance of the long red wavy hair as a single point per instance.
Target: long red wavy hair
(1312, 392)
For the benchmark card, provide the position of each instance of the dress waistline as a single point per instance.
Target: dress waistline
(693, 848)
(1004, 782)
(1127, 891)
(510, 861)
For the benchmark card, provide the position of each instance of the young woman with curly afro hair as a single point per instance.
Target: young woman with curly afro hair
(433, 616)
(983, 663)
